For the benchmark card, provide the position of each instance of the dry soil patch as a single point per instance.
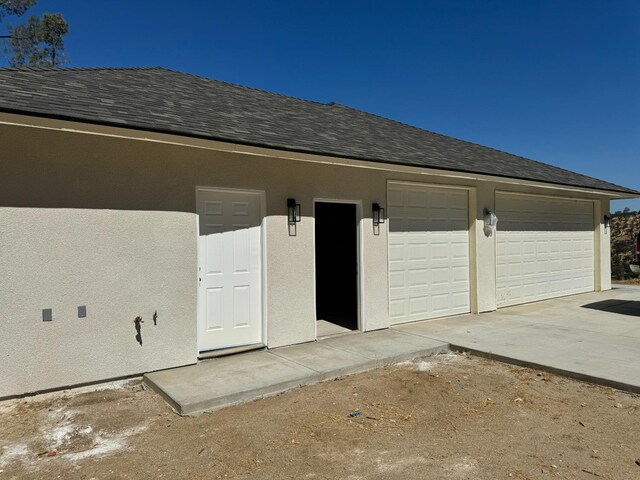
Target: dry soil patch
(451, 417)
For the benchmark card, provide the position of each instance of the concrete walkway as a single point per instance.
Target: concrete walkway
(224, 381)
(593, 337)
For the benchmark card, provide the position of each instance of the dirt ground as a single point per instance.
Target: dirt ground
(446, 417)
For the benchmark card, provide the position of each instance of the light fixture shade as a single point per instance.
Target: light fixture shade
(378, 214)
(490, 221)
(490, 218)
(293, 211)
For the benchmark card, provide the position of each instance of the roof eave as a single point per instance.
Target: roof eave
(622, 194)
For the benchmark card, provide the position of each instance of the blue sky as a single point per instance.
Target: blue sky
(556, 81)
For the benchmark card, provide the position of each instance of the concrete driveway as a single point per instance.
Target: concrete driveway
(594, 336)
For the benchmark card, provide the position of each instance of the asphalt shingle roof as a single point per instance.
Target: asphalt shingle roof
(162, 100)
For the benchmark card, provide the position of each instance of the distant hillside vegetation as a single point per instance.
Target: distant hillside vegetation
(624, 228)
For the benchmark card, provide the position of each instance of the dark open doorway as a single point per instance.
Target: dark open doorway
(337, 264)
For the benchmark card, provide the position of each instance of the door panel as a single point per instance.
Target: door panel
(230, 265)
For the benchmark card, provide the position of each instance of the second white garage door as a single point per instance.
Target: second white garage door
(428, 252)
(545, 248)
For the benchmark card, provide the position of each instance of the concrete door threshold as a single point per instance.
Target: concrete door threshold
(230, 380)
(326, 329)
(223, 352)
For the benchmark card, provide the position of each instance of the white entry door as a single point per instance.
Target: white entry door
(544, 248)
(428, 252)
(229, 268)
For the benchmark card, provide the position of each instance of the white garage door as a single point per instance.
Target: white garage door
(428, 252)
(545, 248)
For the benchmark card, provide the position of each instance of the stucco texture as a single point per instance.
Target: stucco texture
(119, 265)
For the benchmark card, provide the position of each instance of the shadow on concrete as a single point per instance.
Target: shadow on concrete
(622, 307)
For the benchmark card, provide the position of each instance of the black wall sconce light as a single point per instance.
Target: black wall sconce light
(607, 220)
(378, 214)
(378, 217)
(293, 211)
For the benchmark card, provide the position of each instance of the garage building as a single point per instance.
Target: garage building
(149, 218)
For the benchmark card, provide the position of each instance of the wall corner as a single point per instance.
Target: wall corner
(602, 246)
(483, 261)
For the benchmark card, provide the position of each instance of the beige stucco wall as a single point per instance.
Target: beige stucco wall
(119, 264)
(485, 259)
(95, 172)
(141, 195)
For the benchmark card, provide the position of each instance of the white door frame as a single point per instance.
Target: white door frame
(263, 254)
(359, 254)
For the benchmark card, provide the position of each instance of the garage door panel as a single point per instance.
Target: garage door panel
(397, 309)
(428, 252)
(416, 278)
(460, 252)
(461, 224)
(416, 252)
(395, 197)
(501, 272)
(440, 276)
(544, 248)
(447, 225)
(441, 303)
(416, 224)
(460, 302)
(440, 251)
(418, 305)
(529, 247)
(396, 253)
(460, 277)
(396, 225)
(396, 279)
(529, 268)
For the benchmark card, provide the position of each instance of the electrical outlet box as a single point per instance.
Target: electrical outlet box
(47, 314)
(82, 311)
